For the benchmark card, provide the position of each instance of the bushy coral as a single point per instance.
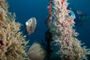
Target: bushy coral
(14, 44)
(37, 52)
(64, 35)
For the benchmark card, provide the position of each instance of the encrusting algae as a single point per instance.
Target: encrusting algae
(12, 42)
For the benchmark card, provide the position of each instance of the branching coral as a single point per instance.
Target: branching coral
(13, 45)
(63, 33)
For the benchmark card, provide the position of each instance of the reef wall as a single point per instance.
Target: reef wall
(12, 42)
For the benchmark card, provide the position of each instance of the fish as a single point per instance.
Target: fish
(72, 13)
(79, 12)
(31, 25)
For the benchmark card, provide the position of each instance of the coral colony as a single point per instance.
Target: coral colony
(64, 34)
(60, 30)
(11, 39)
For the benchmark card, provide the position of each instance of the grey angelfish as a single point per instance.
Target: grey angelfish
(31, 25)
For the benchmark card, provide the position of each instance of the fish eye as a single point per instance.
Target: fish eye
(30, 20)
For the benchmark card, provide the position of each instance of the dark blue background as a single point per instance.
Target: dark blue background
(26, 9)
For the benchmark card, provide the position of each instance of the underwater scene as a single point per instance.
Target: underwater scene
(44, 29)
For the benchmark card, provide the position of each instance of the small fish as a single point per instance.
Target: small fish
(79, 12)
(31, 25)
(72, 13)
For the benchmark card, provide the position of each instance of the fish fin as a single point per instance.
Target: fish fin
(34, 28)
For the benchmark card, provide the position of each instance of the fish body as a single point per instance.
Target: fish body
(31, 25)
(72, 13)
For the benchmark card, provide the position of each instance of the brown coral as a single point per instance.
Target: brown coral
(14, 43)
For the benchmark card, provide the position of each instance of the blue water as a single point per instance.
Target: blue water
(84, 31)
(26, 9)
